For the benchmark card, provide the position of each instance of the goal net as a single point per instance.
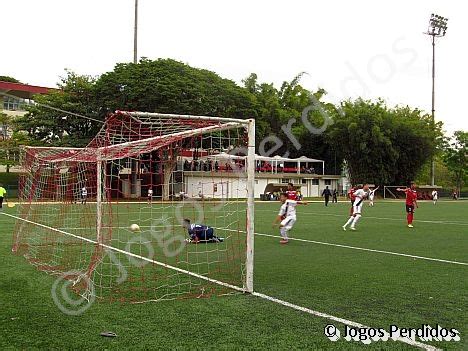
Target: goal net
(77, 208)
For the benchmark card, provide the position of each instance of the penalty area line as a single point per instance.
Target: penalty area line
(233, 287)
(360, 248)
(447, 222)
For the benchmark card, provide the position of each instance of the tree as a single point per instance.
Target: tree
(10, 142)
(456, 158)
(8, 79)
(383, 145)
(6, 150)
(279, 116)
(443, 175)
(5, 122)
(50, 122)
(169, 86)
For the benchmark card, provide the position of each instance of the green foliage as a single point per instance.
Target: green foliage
(456, 158)
(443, 177)
(164, 86)
(280, 115)
(9, 151)
(380, 145)
(169, 86)
(383, 145)
(9, 79)
(53, 127)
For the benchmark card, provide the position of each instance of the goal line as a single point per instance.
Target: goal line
(165, 265)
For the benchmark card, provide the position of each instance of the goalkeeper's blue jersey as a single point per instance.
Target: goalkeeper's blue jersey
(201, 231)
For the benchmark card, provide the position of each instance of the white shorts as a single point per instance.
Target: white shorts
(357, 209)
(288, 222)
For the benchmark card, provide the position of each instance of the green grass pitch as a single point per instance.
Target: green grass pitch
(373, 288)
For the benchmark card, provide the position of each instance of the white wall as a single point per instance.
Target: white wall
(234, 187)
(215, 187)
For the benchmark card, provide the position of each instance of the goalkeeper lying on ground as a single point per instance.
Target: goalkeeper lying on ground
(200, 233)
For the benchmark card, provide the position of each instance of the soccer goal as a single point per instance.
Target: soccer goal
(79, 207)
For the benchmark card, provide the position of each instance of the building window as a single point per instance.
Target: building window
(285, 181)
(304, 181)
(327, 181)
(315, 182)
(13, 104)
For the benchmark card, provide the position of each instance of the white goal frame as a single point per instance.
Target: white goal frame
(250, 169)
(103, 153)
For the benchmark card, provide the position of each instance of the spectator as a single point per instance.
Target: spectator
(326, 193)
(2, 194)
(335, 196)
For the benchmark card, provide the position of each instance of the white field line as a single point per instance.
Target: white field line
(165, 265)
(358, 248)
(307, 241)
(234, 287)
(340, 320)
(380, 218)
(214, 201)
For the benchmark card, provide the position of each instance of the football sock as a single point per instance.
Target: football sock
(356, 219)
(284, 233)
(349, 221)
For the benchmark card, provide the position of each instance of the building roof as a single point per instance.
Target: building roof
(24, 91)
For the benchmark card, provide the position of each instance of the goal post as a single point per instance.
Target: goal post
(77, 207)
(250, 205)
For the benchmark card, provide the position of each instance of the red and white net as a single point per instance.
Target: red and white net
(77, 207)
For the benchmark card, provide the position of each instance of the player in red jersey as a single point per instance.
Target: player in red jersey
(352, 197)
(411, 202)
(291, 192)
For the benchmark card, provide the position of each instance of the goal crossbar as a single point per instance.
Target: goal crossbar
(190, 117)
(104, 153)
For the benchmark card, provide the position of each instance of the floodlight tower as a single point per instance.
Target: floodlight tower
(135, 34)
(437, 28)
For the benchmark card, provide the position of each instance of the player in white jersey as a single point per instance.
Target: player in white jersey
(286, 216)
(371, 196)
(360, 196)
(84, 195)
(150, 195)
(435, 196)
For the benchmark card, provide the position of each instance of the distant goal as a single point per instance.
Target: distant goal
(390, 192)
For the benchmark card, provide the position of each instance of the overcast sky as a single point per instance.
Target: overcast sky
(350, 48)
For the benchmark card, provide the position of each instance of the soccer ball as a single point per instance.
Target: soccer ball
(135, 228)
